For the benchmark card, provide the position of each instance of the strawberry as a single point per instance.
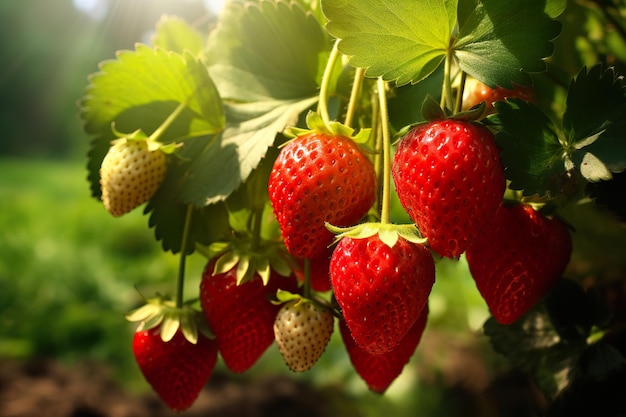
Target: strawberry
(477, 92)
(381, 289)
(319, 178)
(517, 259)
(177, 369)
(241, 316)
(450, 181)
(130, 174)
(379, 371)
(302, 330)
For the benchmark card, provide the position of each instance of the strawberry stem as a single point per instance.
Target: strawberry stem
(156, 135)
(446, 92)
(359, 75)
(183, 257)
(257, 216)
(459, 97)
(384, 119)
(322, 105)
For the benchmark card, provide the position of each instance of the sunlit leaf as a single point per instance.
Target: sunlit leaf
(175, 34)
(267, 50)
(139, 90)
(229, 160)
(401, 40)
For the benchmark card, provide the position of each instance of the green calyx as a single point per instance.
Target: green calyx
(159, 311)
(387, 233)
(250, 257)
(138, 136)
(285, 297)
(432, 110)
(316, 124)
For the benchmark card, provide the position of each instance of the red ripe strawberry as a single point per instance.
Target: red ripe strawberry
(241, 316)
(319, 178)
(517, 259)
(380, 289)
(477, 92)
(450, 181)
(177, 370)
(379, 371)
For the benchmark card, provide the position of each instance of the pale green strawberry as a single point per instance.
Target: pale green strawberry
(302, 330)
(130, 174)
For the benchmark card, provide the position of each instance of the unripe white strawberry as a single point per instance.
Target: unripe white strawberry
(302, 330)
(130, 174)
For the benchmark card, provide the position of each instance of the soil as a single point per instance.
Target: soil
(44, 388)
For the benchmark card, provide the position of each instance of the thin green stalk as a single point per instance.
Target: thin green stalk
(256, 229)
(459, 97)
(183, 257)
(446, 94)
(384, 120)
(322, 104)
(359, 75)
(155, 136)
(375, 142)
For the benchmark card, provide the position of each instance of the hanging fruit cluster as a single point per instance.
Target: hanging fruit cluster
(276, 157)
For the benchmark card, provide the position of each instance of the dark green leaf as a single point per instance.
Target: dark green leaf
(499, 42)
(519, 341)
(595, 123)
(573, 311)
(610, 194)
(533, 345)
(168, 214)
(401, 40)
(595, 99)
(532, 154)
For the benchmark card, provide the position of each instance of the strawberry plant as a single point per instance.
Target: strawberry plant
(338, 141)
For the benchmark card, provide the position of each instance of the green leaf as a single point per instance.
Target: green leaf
(595, 122)
(167, 215)
(266, 58)
(139, 90)
(228, 161)
(175, 34)
(499, 42)
(534, 158)
(401, 40)
(532, 344)
(267, 50)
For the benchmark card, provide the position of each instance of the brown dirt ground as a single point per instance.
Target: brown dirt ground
(44, 388)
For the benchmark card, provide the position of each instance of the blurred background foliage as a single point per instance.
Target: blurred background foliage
(68, 270)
